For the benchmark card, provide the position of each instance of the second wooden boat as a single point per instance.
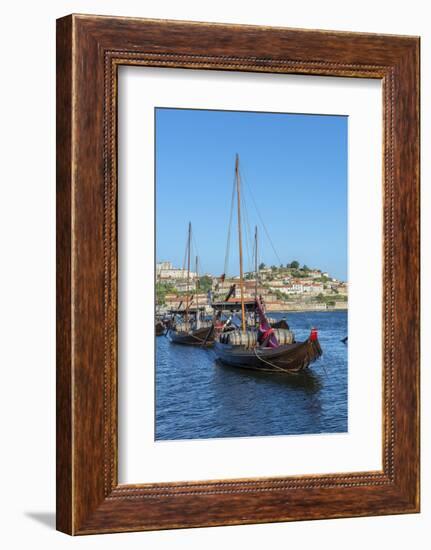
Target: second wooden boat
(192, 337)
(188, 327)
(160, 328)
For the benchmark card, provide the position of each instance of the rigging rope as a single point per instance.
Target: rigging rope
(247, 237)
(247, 231)
(248, 186)
(185, 253)
(197, 254)
(226, 259)
(272, 364)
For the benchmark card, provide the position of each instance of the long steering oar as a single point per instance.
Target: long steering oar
(208, 335)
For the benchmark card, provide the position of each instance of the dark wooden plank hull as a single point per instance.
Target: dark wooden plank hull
(160, 329)
(290, 358)
(199, 337)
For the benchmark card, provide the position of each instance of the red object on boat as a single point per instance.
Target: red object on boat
(266, 333)
(313, 335)
(265, 326)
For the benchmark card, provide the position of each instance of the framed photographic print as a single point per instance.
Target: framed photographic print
(237, 274)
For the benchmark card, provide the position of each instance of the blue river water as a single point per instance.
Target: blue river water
(199, 398)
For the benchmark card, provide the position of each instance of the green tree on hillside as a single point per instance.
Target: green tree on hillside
(205, 283)
(281, 296)
(161, 290)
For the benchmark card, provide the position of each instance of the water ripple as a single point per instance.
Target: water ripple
(197, 397)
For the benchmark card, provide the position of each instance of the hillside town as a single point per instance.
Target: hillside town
(288, 287)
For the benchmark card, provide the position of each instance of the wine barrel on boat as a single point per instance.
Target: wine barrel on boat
(184, 327)
(279, 324)
(249, 338)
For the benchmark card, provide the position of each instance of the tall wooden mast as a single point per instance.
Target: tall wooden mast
(256, 268)
(255, 262)
(197, 290)
(188, 273)
(241, 274)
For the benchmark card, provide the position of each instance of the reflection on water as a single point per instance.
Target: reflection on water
(198, 397)
(307, 379)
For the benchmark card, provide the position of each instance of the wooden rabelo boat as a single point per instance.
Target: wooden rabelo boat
(160, 328)
(261, 346)
(265, 348)
(188, 325)
(162, 324)
(190, 331)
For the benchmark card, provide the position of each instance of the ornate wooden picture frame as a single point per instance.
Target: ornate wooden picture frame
(89, 51)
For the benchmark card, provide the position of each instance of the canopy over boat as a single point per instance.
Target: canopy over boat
(234, 305)
(191, 310)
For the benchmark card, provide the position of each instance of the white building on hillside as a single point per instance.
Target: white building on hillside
(292, 288)
(313, 288)
(165, 270)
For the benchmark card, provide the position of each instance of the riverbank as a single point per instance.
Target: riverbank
(292, 308)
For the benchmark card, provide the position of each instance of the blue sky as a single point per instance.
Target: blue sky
(294, 165)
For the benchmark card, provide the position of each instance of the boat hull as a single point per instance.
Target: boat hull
(160, 329)
(200, 337)
(290, 358)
